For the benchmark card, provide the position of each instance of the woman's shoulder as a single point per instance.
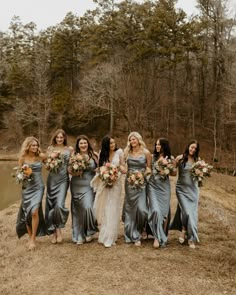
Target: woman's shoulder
(42, 156)
(119, 151)
(179, 157)
(96, 154)
(146, 152)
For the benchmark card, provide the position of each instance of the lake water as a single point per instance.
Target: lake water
(10, 190)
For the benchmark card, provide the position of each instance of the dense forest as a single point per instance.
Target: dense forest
(121, 67)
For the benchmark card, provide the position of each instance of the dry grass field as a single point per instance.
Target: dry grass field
(91, 269)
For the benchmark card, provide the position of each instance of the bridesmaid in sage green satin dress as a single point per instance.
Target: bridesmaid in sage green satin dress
(30, 217)
(159, 193)
(56, 214)
(186, 216)
(135, 211)
(84, 224)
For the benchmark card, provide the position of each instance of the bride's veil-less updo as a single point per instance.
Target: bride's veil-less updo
(26, 145)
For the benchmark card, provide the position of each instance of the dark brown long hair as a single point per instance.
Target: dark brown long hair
(184, 160)
(165, 149)
(90, 149)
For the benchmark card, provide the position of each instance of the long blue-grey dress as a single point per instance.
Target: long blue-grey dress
(82, 199)
(32, 195)
(159, 193)
(56, 214)
(135, 203)
(187, 209)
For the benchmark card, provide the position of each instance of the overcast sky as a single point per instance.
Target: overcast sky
(46, 13)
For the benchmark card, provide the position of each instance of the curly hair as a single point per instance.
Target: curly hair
(53, 138)
(26, 145)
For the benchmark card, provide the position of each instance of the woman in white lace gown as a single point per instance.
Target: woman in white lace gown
(108, 199)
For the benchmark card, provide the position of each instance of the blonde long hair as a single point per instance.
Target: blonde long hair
(26, 145)
(128, 148)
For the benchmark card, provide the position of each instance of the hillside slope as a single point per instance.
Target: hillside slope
(124, 269)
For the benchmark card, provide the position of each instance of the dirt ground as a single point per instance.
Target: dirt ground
(125, 269)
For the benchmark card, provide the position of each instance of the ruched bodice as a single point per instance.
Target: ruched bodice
(185, 178)
(37, 181)
(62, 174)
(83, 182)
(137, 163)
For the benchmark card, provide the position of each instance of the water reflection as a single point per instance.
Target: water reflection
(10, 190)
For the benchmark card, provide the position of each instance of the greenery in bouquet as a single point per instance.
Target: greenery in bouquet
(23, 174)
(200, 170)
(136, 179)
(78, 163)
(108, 174)
(163, 168)
(54, 161)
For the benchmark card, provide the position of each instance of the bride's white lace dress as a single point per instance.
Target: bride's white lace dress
(107, 205)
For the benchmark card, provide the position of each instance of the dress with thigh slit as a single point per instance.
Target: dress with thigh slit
(32, 195)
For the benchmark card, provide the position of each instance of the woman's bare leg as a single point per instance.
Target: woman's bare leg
(59, 235)
(35, 223)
